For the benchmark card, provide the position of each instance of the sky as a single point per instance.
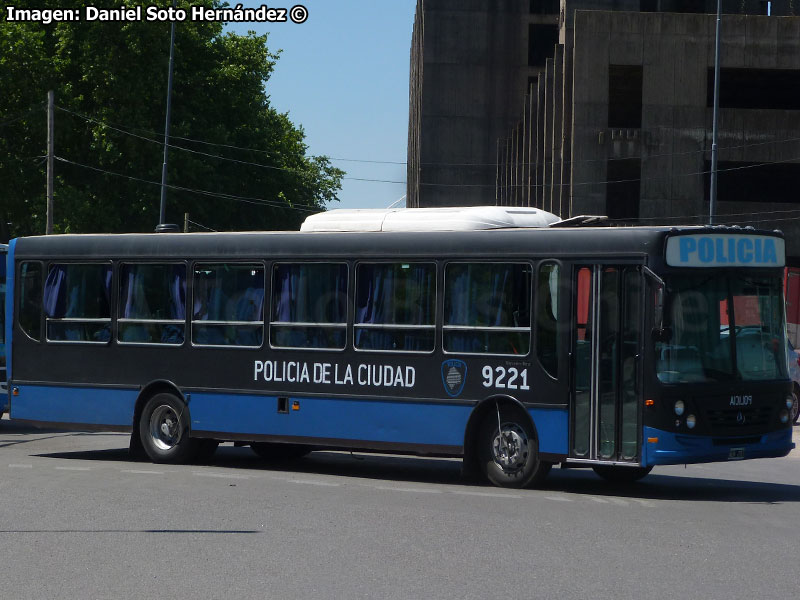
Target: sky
(343, 76)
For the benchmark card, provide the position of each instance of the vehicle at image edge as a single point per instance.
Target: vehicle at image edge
(3, 388)
(516, 347)
(793, 361)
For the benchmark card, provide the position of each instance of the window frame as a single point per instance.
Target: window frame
(121, 263)
(46, 320)
(266, 305)
(340, 325)
(379, 326)
(495, 261)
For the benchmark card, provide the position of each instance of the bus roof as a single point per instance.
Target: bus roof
(542, 242)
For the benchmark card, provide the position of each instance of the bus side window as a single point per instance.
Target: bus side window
(228, 305)
(547, 317)
(395, 306)
(309, 306)
(77, 302)
(30, 299)
(487, 308)
(152, 303)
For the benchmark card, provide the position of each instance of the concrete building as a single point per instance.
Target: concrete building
(605, 107)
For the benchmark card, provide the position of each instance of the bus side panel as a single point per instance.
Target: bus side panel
(78, 405)
(552, 426)
(376, 420)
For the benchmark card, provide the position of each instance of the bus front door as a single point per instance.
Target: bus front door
(606, 350)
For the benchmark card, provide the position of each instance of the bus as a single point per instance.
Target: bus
(3, 387)
(511, 340)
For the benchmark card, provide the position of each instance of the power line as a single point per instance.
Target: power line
(248, 200)
(225, 158)
(128, 131)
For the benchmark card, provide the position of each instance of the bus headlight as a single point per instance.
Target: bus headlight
(784, 416)
(789, 402)
(691, 421)
(679, 407)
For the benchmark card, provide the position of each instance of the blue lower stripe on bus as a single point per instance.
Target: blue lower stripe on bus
(80, 405)
(331, 418)
(678, 449)
(340, 418)
(552, 427)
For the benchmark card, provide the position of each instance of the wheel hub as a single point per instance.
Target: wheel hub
(510, 447)
(165, 428)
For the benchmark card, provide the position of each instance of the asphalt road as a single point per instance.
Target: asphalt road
(78, 519)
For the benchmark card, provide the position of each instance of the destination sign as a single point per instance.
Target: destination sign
(725, 250)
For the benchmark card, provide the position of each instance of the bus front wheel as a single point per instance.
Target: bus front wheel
(164, 430)
(509, 453)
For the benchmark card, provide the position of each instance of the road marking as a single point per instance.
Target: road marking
(399, 489)
(137, 472)
(486, 494)
(20, 466)
(220, 475)
(311, 482)
(73, 468)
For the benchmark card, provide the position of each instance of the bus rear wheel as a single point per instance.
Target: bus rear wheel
(621, 474)
(509, 454)
(164, 430)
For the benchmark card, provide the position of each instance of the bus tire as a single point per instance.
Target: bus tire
(794, 415)
(164, 430)
(273, 451)
(510, 460)
(621, 474)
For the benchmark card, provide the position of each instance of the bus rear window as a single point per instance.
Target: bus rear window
(395, 307)
(152, 303)
(309, 306)
(487, 308)
(77, 302)
(30, 299)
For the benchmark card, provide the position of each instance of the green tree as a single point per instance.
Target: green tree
(110, 81)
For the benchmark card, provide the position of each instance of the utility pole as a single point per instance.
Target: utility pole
(50, 145)
(163, 207)
(712, 205)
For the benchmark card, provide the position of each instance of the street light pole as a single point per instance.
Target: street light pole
(712, 206)
(163, 207)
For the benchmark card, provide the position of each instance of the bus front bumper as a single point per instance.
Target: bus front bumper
(665, 448)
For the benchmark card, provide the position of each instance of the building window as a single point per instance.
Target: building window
(754, 182)
(542, 40)
(777, 89)
(625, 96)
(544, 7)
(623, 188)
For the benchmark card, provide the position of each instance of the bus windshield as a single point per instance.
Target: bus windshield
(722, 327)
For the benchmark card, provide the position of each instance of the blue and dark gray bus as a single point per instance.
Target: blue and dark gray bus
(3, 389)
(515, 348)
